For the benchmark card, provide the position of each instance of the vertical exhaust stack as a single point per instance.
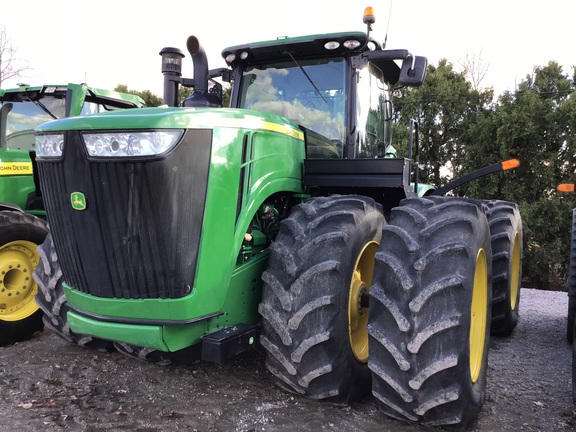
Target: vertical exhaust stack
(200, 64)
(200, 97)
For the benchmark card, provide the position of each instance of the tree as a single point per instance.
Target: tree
(474, 69)
(10, 67)
(150, 99)
(444, 107)
(536, 124)
(462, 129)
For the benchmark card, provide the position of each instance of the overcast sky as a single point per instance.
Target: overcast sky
(111, 42)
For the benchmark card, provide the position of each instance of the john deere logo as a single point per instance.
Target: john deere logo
(78, 201)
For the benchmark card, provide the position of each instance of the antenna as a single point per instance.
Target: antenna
(387, 26)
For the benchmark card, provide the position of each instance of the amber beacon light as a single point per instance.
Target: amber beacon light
(369, 17)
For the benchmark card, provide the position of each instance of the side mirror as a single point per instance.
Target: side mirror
(413, 71)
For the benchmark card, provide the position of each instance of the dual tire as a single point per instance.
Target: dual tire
(429, 312)
(429, 298)
(506, 237)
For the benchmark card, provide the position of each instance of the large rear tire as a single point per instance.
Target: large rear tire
(20, 235)
(572, 283)
(315, 297)
(506, 234)
(52, 300)
(429, 312)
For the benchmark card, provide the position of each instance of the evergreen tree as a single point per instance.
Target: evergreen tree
(444, 106)
(461, 130)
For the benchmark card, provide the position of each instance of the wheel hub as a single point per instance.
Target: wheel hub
(17, 287)
(358, 301)
(478, 316)
(516, 268)
(363, 299)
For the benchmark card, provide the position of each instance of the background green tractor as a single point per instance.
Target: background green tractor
(22, 216)
(285, 219)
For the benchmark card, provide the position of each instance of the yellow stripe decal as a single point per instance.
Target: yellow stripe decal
(15, 168)
(284, 129)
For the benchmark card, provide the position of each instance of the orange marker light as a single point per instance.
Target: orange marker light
(510, 164)
(565, 187)
(369, 17)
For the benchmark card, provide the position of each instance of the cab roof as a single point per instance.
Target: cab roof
(299, 47)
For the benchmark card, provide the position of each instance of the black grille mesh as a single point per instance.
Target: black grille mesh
(139, 235)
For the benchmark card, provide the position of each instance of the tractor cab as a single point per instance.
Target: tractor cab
(335, 86)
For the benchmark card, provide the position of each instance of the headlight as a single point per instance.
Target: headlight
(122, 144)
(49, 145)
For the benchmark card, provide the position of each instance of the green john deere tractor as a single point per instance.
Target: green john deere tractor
(284, 221)
(22, 216)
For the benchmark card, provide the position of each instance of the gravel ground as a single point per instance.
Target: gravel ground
(50, 385)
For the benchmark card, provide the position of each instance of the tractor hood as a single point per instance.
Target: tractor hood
(130, 227)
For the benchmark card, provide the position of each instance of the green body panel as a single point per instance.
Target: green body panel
(16, 180)
(15, 156)
(224, 292)
(241, 306)
(150, 336)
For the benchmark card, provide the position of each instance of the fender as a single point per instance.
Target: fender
(11, 207)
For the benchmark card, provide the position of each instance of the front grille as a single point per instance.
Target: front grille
(139, 235)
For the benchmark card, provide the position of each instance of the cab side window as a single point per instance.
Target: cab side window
(373, 115)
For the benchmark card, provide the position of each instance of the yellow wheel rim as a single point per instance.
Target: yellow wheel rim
(358, 301)
(18, 260)
(479, 316)
(515, 276)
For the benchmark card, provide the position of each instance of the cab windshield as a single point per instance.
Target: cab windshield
(309, 92)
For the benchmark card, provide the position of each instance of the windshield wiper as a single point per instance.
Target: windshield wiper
(307, 76)
(41, 105)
